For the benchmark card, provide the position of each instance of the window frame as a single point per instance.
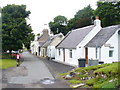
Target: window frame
(59, 52)
(70, 53)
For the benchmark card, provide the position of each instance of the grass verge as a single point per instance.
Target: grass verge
(7, 63)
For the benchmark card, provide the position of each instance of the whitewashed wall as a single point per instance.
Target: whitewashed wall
(58, 57)
(113, 41)
(104, 56)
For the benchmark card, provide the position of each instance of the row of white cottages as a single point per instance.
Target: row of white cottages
(88, 43)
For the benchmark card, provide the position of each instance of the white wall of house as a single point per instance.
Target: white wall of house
(113, 41)
(81, 45)
(51, 50)
(59, 55)
(103, 52)
(79, 52)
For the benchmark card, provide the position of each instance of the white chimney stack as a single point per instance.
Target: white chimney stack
(97, 22)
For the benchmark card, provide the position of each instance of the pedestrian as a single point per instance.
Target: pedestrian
(18, 59)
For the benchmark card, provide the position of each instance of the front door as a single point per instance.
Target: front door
(86, 55)
(39, 51)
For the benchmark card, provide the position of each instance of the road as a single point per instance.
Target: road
(35, 72)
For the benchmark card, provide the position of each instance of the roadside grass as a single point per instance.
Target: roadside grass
(7, 63)
(75, 81)
(103, 76)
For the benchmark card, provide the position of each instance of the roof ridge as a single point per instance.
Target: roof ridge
(82, 28)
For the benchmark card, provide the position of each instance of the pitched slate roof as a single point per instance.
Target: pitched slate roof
(43, 38)
(102, 36)
(73, 38)
(48, 41)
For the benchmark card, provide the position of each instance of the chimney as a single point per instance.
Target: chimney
(97, 21)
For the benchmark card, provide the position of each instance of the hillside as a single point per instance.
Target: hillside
(98, 76)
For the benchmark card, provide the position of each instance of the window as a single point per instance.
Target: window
(70, 53)
(96, 52)
(59, 52)
(110, 53)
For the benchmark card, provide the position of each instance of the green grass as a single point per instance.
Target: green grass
(75, 81)
(7, 63)
(63, 74)
(111, 71)
(108, 85)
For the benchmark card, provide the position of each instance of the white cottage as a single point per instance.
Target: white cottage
(34, 46)
(105, 46)
(71, 48)
(50, 45)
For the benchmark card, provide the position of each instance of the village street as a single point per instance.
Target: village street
(32, 73)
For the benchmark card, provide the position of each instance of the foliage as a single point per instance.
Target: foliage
(58, 25)
(63, 74)
(94, 67)
(7, 63)
(109, 13)
(108, 85)
(75, 81)
(81, 76)
(15, 31)
(105, 74)
(81, 19)
(110, 70)
(91, 82)
(85, 12)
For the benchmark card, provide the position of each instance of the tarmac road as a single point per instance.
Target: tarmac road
(33, 72)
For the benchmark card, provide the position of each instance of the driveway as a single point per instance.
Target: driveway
(35, 72)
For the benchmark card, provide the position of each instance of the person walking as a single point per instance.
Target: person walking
(18, 59)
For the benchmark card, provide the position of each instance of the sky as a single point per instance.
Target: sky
(44, 11)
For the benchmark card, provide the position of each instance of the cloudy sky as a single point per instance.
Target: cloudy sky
(43, 11)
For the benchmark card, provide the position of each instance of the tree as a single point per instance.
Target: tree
(109, 13)
(85, 12)
(15, 31)
(58, 25)
(82, 18)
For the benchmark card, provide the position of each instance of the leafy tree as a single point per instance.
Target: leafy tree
(85, 12)
(15, 31)
(109, 13)
(82, 18)
(58, 25)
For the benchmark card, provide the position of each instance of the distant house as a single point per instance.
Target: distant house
(71, 48)
(105, 46)
(49, 46)
(41, 40)
(36, 45)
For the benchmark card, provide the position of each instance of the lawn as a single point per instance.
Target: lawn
(7, 63)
